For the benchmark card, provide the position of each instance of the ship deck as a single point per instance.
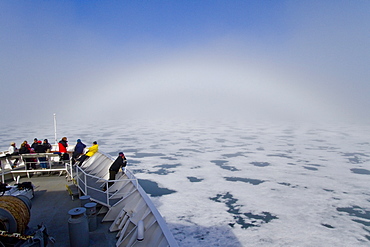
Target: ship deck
(50, 206)
(125, 203)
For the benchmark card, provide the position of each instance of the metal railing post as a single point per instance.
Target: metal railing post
(2, 172)
(107, 192)
(85, 180)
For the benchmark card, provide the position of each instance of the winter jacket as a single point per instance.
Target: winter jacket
(47, 146)
(63, 146)
(40, 149)
(92, 150)
(118, 163)
(12, 150)
(24, 150)
(79, 148)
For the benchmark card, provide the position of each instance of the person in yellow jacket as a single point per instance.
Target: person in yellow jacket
(91, 151)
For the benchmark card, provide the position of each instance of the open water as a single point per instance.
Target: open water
(241, 184)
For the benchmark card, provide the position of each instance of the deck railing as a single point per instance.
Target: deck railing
(93, 186)
(52, 160)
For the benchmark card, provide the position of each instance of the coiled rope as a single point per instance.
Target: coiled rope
(18, 209)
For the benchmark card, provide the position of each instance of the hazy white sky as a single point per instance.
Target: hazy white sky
(94, 60)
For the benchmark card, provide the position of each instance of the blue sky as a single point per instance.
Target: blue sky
(274, 60)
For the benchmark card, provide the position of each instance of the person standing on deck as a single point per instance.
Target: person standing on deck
(41, 149)
(26, 149)
(119, 163)
(78, 151)
(63, 144)
(34, 144)
(47, 145)
(92, 150)
(27, 146)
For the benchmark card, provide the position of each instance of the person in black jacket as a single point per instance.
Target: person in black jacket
(119, 163)
(78, 151)
(25, 149)
(35, 143)
(41, 149)
(47, 145)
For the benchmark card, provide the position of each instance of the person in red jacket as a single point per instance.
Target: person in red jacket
(63, 144)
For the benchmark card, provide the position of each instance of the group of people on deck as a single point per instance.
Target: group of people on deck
(36, 147)
(45, 147)
(78, 155)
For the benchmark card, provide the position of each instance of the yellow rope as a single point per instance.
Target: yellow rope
(18, 209)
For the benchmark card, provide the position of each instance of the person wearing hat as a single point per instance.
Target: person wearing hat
(119, 163)
(13, 150)
(78, 151)
(63, 145)
(35, 143)
(26, 149)
(91, 151)
(47, 145)
(41, 149)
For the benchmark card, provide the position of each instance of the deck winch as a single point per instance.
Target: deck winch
(15, 206)
(15, 214)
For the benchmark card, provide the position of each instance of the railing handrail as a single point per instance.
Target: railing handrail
(85, 186)
(22, 165)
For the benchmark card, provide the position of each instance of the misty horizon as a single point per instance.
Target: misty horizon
(87, 61)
